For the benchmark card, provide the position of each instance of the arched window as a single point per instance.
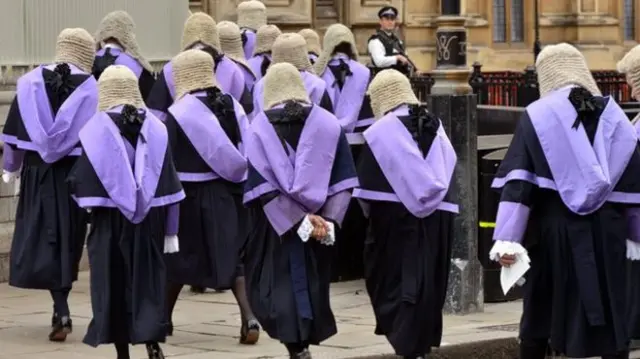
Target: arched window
(508, 21)
(630, 20)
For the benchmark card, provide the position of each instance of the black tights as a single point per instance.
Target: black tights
(61, 301)
(295, 348)
(238, 289)
(538, 350)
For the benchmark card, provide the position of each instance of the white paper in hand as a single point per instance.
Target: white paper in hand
(509, 276)
(305, 229)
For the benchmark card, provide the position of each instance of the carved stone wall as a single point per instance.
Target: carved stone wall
(595, 26)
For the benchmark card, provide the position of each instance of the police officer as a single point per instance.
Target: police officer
(385, 48)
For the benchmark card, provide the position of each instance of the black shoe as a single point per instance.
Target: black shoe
(304, 354)
(154, 351)
(249, 332)
(170, 329)
(197, 290)
(60, 329)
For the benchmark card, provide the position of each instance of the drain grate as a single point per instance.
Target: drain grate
(503, 328)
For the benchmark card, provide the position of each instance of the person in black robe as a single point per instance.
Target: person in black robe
(40, 137)
(292, 48)
(200, 32)
(207, 132)
(630, 66)
(252, 15)
(295, 208)
(116, 43)
(569, 206)
(347, 81)
(405, 171)
(127, 180)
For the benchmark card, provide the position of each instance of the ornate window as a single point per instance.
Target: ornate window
(629, 20)
(508, 21)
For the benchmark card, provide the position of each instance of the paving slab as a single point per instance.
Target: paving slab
(207, 327)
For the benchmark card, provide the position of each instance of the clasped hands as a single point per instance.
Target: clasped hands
(320, 227)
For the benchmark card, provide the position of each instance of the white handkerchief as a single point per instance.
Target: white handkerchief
(305, 229)
(509, 276)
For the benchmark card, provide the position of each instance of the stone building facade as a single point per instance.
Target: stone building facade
(501, 33)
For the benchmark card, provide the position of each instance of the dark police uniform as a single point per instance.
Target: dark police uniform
(392, 44)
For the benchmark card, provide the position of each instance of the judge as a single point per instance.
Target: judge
(126, 179)
(569, 196)
(200, 32)
(347, 81)
(117, 44)
(405, 171)
(207, 134)
(252, 15)
(231, 44)
(261, 59)
(630, 66)
(313, 44)
(288, 278)
(40, 137)
(292, 48)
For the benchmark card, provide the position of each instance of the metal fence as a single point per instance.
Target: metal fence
(519, 89)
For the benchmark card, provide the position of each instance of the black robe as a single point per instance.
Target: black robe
(128, 273)
(267, 263)
(574, 259)
(50, 228)
(406, 263)
(145, 81)
(213, 220)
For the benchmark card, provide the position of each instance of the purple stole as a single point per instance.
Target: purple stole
(420, 183)
(206, 135)
(53, 137)
(301, 178)
(124, 59)
(255, 63)
(250, 45)
(131, 187)
(228, 77)
(584, 175)
(348, 101)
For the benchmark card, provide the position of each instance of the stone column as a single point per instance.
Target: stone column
(453, 102)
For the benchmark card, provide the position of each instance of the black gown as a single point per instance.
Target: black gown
(267, 262)
(213, 220)
(575, 260)
(50, 228)
(406, 262)
(128, 273)
(145, 81)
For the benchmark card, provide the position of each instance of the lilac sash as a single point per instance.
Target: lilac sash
(124, 59)
(226, 77)
(255, 63)
(585, 175)
(53, 137)
(303, 181)
(421, 183)
(131, 190)
(250, 44)
(202, 128)
(348, 101)
(314, 85)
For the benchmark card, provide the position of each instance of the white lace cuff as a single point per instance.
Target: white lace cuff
(501, 248)
(9, 176)
(171, 244)
(633, 250)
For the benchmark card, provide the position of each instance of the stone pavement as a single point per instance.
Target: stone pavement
(207, 326)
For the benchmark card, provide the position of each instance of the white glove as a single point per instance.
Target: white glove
(171, 244)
